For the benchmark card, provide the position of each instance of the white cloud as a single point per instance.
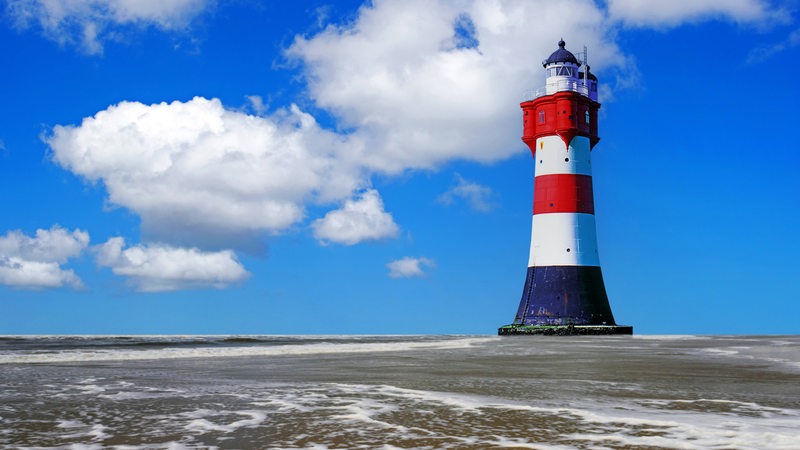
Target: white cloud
(409, 267)
(87, 23)
(646, 13)
(35, 262)
(424, 82)
(358, 220)
(197, 173)
(761, 54)
(157, 267)
(477, 196)
(21, 273)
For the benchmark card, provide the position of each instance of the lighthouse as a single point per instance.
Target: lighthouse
(564, 291)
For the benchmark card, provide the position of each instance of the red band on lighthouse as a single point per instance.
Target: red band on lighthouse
(561, 193)
(565, 113)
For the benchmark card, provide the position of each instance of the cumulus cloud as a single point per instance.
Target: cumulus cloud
(645, 13)
(357, 220)
(88, 23)
(158, 267)
(35, 262)
(424, 82)
(409, 267)
(477, 196)
(197, 172)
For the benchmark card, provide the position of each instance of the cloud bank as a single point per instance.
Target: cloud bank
(35, 262)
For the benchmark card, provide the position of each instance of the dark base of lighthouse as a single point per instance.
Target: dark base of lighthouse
(564, 330)
(564, 300)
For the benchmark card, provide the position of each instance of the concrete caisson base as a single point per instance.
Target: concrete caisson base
(564, 330)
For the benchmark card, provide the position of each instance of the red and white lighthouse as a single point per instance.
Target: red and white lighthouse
(564, 291)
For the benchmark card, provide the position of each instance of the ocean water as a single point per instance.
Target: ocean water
(400, 392)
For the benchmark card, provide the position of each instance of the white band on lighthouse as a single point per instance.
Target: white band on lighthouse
(553, 157)
(563, 239)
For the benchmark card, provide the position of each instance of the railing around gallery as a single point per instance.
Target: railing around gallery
(559, 86)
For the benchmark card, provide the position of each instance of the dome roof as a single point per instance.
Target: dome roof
(561, 55)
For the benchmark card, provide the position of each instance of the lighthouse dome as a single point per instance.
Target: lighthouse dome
(562, 55)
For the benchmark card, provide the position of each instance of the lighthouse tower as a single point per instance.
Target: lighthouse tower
(564, 291)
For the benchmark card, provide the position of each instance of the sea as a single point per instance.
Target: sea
(399, 392)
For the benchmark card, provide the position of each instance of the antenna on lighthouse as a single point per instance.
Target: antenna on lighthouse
(586, 66)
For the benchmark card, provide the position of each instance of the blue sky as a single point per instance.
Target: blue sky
(204, 166)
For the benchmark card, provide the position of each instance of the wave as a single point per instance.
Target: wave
(241, 340)
(206, 349)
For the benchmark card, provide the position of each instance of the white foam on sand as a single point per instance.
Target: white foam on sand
(77, 429)
(782, 356)
(331, 413)
(667, 337)
(660, 424)
(200, 424)
(67, 356)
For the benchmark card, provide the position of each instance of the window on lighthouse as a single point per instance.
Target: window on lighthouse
(565, 71)
(587, 116)
(561, 71)
(541, 116)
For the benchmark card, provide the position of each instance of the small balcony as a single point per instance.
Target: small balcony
(559, 86)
